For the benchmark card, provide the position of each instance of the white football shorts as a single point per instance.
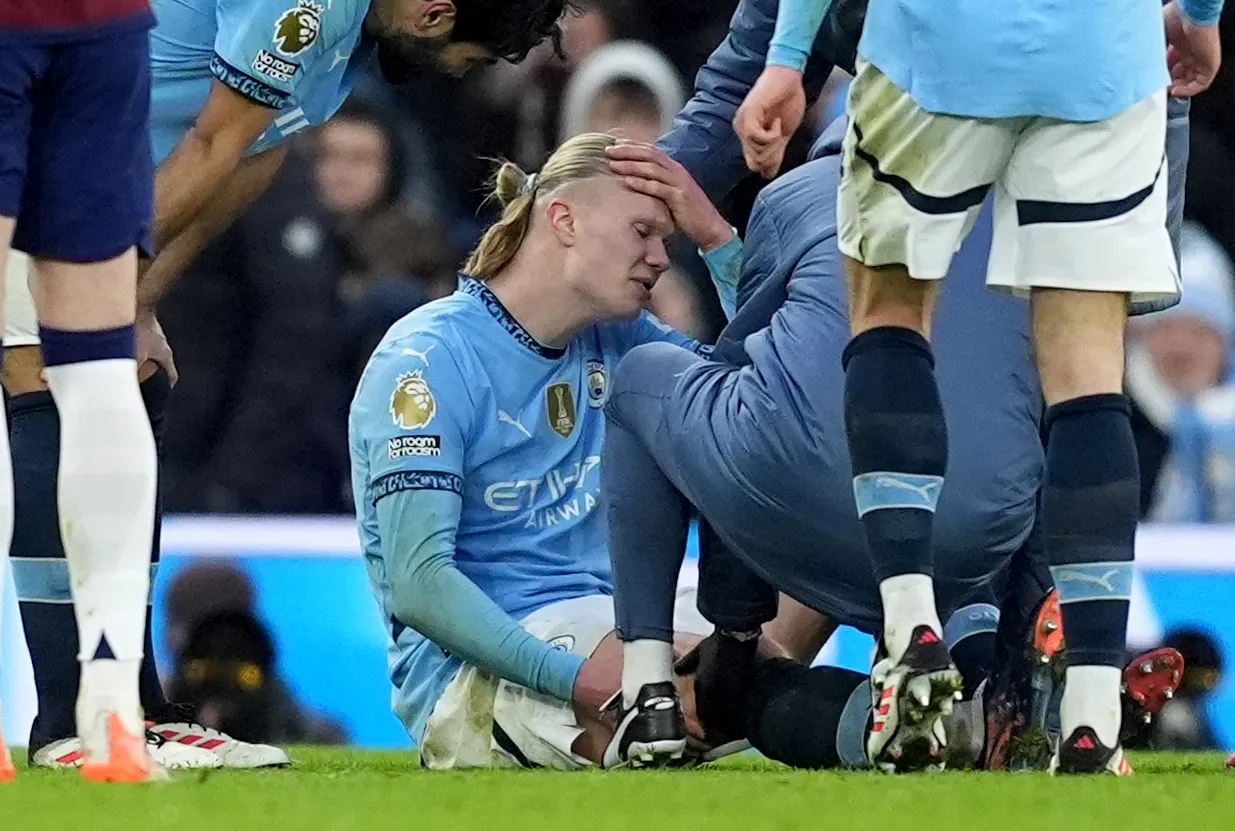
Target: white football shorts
(484, 722)
(1078, 205)
(21, 322)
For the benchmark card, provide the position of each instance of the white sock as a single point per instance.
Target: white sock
(1091, 699)
(908, 602)
(644, 662)
(106, 498)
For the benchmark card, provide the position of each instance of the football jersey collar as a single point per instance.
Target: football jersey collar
(472, 286)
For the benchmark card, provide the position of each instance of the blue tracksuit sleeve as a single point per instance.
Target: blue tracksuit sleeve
(797, 24)
(433, 597)
(1202, 12)
(725, 266)
(702, 139)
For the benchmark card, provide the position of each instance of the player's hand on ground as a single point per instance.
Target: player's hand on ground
(649, 170)
(152, 345)
(1193, 53)
(768, 118)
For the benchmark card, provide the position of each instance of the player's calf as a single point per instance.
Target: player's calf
(1090, 503)
(106, 497)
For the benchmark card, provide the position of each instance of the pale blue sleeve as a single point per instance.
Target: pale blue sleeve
(1202, 12)
(725, 266)
(264, 47)
(797, 23)
(417, 423)
(432, 596)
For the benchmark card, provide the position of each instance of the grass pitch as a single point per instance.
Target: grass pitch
(351, 789)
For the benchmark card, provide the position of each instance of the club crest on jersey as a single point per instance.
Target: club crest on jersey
(412, 404)
(563, 643)
(597, 384)
(560, 407)
(297, 28)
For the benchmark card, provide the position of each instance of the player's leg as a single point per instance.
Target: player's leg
(19, 70)
(912, 183)
(739, 603)
(653, 463)
(91, 185)
(529, 729)
(7, 771)
(647, 520)
(41, 571)
(1081, 221)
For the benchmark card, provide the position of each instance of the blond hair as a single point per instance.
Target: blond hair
(581, 157)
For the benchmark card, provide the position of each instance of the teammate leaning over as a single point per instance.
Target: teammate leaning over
(1075, 152)
(232, 80)
(76, 182)
(475, 442)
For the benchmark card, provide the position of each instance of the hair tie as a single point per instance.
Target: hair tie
(529, 184)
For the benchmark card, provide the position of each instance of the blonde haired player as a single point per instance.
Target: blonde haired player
(475, 442)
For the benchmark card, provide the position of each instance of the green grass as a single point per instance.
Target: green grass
(349, 789)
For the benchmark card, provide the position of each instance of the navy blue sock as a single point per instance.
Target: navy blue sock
(898, 441)
(1090, 505)
(156, 391)
(41, 571)
(971, 635)
(806, 717)
(62, 347)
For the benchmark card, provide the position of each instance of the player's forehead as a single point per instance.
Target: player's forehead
(633, 206)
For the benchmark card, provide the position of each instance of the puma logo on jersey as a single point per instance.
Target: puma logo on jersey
(507, 418)
(415, 353)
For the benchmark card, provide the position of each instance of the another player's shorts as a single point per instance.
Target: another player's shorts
(21, 321)
(1078, 206)
(75, 162)
(484, 722)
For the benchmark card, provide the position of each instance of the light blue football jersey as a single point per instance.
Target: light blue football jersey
(1076, 60)
(299, 57)
(459, 397)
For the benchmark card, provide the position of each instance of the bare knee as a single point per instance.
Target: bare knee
(1079, 339)
(888, 296)
(87, 296)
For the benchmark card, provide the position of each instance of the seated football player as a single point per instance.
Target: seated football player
(475, 439)
(232, 82)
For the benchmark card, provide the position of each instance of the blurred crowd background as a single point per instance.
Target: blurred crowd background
(371, 217)
(373, 213)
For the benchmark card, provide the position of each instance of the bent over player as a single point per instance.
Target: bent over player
(76, 191)
(754, 438)
(1074, 150)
